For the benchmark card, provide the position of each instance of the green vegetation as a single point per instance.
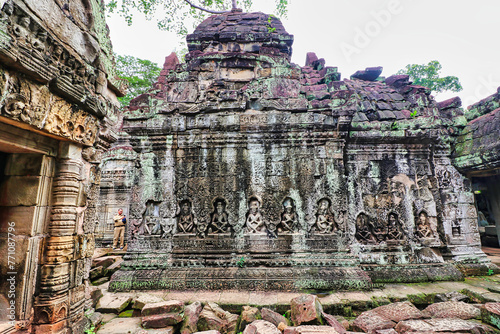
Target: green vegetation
(428, 76)
(180, 16)
(241, 262)
(270, 27)
(91, 330)
(126, 314)
(141, 74)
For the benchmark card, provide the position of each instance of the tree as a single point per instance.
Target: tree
(428, 76)
(177, 14)
(141, 75)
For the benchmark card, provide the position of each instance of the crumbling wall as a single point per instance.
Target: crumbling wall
(58, 99)
(253, 172)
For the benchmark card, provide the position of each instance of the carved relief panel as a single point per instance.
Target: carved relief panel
(254, 222)
(219, 219)
(289, 222)
(324, 222)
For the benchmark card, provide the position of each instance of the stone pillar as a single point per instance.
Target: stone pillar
(56, 301)
(458, 215)
(27, 181)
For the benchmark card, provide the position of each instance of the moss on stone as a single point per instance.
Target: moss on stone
(126, 314)
(422, 298)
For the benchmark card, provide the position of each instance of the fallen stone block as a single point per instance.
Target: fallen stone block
(261, 327)
(161, 320)
(170, 306)
(100, 252)
(100, 281)
(273, 317)
(110, 303)
(96, 273)
(490, 314)
(451, 296)
(93, 293)
(306, 309)
(143, 299)
(309, 329)
(399, 311)
(114, 267)
(191, 316)
(95, 318)
(121, 326)
(453, 309)
(248, 315)
(213, 317)
(105, 261)
(332, 322)
(166, 330)
(385, 331)
(441, 325)
(370, 321)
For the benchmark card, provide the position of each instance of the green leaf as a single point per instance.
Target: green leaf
(141, 74)
(428, 76)
(176, 15)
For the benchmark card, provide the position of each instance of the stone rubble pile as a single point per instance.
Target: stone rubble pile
(103, 267)
(149, 313)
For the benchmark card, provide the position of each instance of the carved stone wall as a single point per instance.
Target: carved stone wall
(476, 153)
(252, 172)
(58, 114)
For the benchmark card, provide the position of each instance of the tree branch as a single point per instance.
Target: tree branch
(208, 10)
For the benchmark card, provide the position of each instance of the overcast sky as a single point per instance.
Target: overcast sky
(355, 34)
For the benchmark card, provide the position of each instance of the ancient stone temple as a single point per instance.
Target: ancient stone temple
(58, 113)
(240, 169)
(476, 153)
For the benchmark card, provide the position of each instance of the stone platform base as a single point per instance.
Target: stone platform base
(413, 273)
(251, 278)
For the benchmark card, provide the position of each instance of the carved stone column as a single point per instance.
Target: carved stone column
(52, 305)
(458, 213)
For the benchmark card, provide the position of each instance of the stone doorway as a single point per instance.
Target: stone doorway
(487, 199)
(26, 172)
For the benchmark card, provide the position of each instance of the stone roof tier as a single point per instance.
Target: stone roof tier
(241, 32)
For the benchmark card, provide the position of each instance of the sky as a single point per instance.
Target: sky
(354, 34)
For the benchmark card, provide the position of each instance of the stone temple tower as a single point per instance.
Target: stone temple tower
(240, 169)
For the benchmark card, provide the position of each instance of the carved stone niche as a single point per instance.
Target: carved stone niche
(457, 236)
(289, 222)
(324, 222)
(151, 222)
(364, 232)
(219, 219)
(186, 220)
(395, 233)
(423, 228)
(254, 222)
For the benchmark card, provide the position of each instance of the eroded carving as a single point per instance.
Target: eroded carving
(219, 222)
(289, 221)
(394, 229)
(325, 220)
(363, 229)
(254, 221)
(186, 221)
(423, 226)
(456, 229)
(22, 30)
